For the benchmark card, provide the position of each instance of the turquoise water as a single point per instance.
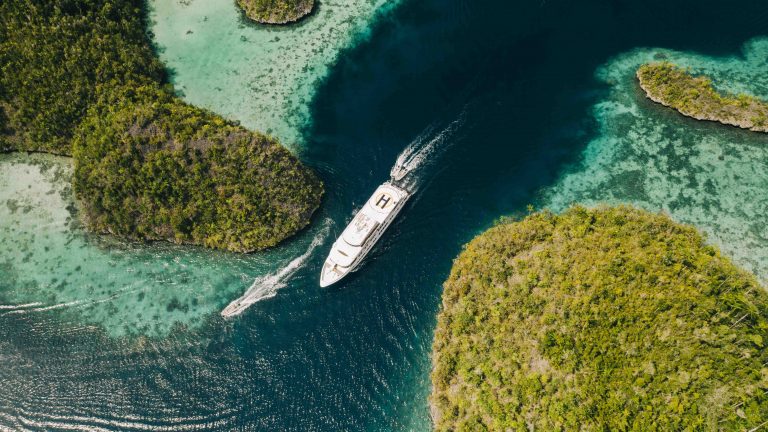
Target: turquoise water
(703, 174)
(50, 263)
(263, 76)
(132, 289)
(522, 103)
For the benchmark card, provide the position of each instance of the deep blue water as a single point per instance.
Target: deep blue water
(518, 79)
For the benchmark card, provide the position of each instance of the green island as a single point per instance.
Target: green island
(80, 78)
(610, 318)
(276, 11)
(694, 96)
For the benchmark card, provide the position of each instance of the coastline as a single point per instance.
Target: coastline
(147, 165)
(272, 71)
(122, 287)
(698, 172)
(303, 9)
(511, 351)
(704, 113)
(149, 301)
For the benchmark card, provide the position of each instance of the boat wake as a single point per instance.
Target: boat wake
(20, 306)
(266, 287)
(42, 307)
(423, 149)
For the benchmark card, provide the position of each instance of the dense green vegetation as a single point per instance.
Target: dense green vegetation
(695, 97)
(157, 168)
(79, 77)
(608, 319)
(276, 11)
(56, 54)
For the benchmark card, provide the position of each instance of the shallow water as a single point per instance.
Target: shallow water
(51, 263)
(701, 173)
(263, 76)
(541, 108)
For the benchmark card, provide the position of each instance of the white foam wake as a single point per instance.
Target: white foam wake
(20, 306)
(419, 151)
(265, 287)
(41, 307)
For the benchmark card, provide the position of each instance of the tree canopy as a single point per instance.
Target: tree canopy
(79, 77)
(276, 11)
(599, 319)
(695, 96)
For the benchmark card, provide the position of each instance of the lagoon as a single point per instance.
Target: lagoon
(530, 103)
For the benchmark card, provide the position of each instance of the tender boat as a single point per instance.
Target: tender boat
(361, 234)
(235, 308)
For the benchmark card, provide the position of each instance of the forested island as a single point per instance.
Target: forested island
(80, 78)
(599, 319)
(694, 96)
(276, 11)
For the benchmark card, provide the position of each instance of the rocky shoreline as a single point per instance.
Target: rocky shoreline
(673, 87)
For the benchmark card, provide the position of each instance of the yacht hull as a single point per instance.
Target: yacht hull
(361, 235)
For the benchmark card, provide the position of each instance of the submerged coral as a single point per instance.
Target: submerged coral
(700, 173)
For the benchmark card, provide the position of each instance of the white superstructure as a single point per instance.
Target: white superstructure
(361, 234)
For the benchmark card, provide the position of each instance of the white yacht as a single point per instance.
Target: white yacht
(361, 234)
